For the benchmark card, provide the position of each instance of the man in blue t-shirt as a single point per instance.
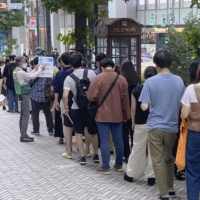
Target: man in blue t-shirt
(162, 94)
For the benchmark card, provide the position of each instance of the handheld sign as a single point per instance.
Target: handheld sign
(48, 62)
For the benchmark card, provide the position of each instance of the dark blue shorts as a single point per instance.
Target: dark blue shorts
(67, 122)
(82, 120)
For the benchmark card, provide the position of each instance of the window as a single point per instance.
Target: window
(162, 4)
(186, 3)
(151, 4)
(141, 2)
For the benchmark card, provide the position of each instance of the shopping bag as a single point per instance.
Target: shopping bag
(180, 160)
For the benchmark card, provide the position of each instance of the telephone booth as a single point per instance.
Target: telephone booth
(119, 39)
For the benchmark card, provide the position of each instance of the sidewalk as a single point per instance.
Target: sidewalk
(36, 171)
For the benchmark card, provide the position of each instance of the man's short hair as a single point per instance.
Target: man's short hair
(107, 62)
(65, 58)
(100, 56)
(35, 61)
(11, 57)
(162, 59)
(19, 59)
(75, 59)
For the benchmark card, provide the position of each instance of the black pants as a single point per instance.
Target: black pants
(35, 115)
(125, 135)
(58, 125)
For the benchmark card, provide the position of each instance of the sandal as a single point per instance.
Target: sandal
(180, 176)
(61, 141)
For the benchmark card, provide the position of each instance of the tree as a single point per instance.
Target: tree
(11, 18)
(83, 9)
(195, 3)
(8, 20)
(184, 45)
(191, 31)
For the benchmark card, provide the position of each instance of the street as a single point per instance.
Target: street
(36, 171)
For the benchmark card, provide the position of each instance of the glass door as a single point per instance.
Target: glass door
(123, 49)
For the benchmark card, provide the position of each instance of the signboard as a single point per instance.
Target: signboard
(16, 6)
(48, 61)
(32, 26)
(32, 21)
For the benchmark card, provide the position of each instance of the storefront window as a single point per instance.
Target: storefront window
(141, 4)
(151, 4)
(162, 4)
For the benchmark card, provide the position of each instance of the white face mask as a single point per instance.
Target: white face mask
(24, 65)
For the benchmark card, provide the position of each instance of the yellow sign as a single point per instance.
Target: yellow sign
(124, 30)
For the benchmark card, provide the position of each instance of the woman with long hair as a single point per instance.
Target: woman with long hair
(137, 160)
(129, 73)
(191, 108)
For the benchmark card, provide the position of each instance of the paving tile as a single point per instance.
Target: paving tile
(36, 171)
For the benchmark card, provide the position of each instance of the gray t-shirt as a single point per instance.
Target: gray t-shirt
(163, 93)
(70, 84)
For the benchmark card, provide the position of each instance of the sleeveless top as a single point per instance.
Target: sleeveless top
(23, 88)
(194, 121)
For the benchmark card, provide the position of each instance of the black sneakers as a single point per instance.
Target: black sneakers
(151, 181)
(127, 178)
(26, 139)
(82, 161)
(172, 194)
(96, 159)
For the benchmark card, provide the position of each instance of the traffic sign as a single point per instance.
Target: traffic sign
(3, 5)
(16, 6)
(32, 21)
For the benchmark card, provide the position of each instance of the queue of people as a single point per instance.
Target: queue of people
(110, 106)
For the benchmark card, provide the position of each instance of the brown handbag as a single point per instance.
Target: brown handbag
(49, 93)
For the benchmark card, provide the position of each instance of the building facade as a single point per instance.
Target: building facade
(150, 13)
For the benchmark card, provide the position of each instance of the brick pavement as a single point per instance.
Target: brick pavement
(36, 171)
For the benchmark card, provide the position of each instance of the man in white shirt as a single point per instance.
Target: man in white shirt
(22, 88)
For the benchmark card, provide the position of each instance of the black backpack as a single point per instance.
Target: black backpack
(82, 86)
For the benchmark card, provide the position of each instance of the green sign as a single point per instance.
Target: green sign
(152, 20)
(163, 22)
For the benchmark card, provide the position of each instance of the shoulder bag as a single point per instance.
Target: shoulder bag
(93, 107)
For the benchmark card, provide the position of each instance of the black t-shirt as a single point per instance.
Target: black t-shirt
(140, 116)
(8, 73)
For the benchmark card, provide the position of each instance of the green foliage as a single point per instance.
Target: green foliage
(191, 31)
(9, 46)
(70, 38)
(77, 6)
(195, 3)
(11, 18)
(181, 52)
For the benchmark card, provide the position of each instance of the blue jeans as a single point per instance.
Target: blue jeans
(12, 100)
(104, 135)
(193, 165)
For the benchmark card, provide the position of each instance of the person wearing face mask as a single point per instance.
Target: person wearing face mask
(2, 88)
(22, 88)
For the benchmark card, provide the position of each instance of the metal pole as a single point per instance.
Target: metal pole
(48, 30)
(26, 28)
(38, 26)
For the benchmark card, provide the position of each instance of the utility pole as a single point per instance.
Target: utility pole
(26, 47)
(48, 30)
(38, 26)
